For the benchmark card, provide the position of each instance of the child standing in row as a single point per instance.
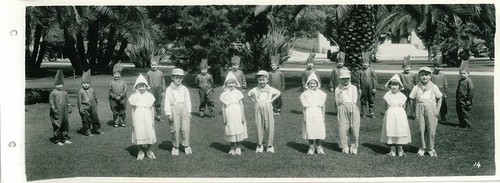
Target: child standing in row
(313, 108)
(346, 96)
(233, 114)
(205, 90)
(156, 81)
(117, 95)
(367, 86)
(263, 95)
(143, 127)
(309, 70)
(87, 105)
(464, 96)
(395, 129)
(277, 80)
(334, 78)
(439, 79)
(178, 111)
(240, 77)
(60, 109)
(409, 80)
(428, 102)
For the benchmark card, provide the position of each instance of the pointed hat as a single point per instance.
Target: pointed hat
(341, 57)
(464, 66)
(59, 78)
(229, 76)
(204, 64)
(310, 59)
(406, 61)
(155, 59)
(311, 77)
(141, 79)
(366, 57)
(86, 76)
(275, 59)
(117, 68)
(438, 61)
(235, 60)
(394, 78)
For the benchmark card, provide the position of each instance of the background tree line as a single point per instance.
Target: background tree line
(96, 37)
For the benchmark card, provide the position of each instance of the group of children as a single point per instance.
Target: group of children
(426, 92)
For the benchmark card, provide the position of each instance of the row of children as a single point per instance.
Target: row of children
(264, 96)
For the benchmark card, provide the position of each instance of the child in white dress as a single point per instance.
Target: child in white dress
(143, 130)
(233, 114)
(395, 129)
(313, 103)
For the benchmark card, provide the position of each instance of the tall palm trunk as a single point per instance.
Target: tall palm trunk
(110, 48)
(80, 49)
(31, 60)
(357, 34)
(93, 33)
(70, 52)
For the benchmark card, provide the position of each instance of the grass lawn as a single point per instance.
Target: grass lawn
(113, 155)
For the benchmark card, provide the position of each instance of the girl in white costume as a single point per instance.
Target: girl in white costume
(233, 114)
(395, 129)
(143, 130)
(313, 103)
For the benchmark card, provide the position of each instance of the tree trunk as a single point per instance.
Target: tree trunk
(31, 61)
(70, 52)
(80, 48)
(110, 48)
(93, 35)
(121, 52)
(41, 55)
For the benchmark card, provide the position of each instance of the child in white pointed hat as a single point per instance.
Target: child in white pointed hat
(117, 96)
(427, 99)
(143, 124)
(395, 127)
(87, 106)
(178, 110)
(313, 109)
(156, 81)
(233, 114)
(464, 96)
(346, 96)
(263, 96)
(60, 109)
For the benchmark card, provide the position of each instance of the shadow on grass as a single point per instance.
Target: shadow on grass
(449, 124)
(298, 146)
(409, 148)
(132, 150)
(166, 145)
(249, 145)
(331, 113)
(332, 146)
(111, 123)
(295, 111)
(221, 147)
(376, 148)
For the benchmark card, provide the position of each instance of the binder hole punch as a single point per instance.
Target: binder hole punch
(12, 144)
(13, 33)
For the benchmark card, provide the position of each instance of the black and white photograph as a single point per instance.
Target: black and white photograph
(320, 91)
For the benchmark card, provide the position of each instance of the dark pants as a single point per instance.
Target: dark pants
(157, 93)
(206, 100)
(118, 107)
(90, 120)
(277, 104)
(60, 130)
(367, 97)
(463, 114)
(443, 113)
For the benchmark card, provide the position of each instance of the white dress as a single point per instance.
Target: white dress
(235, 130)
(143, 129)
(395, 129)
(314, 126)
